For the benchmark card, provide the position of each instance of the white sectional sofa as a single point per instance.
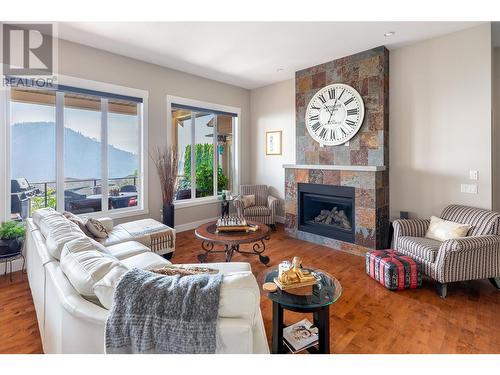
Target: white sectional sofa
(70, 323)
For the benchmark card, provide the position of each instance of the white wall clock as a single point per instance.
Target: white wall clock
(334, 114)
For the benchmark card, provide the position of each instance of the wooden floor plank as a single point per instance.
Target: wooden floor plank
(366, 319)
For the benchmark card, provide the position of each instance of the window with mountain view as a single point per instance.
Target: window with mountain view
(204, 141)
(94, 138)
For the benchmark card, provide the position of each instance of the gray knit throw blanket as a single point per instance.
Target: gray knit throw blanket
(153, 313)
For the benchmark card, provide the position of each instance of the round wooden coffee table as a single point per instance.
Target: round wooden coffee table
(232, 241)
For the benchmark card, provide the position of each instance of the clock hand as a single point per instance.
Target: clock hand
(331, 113)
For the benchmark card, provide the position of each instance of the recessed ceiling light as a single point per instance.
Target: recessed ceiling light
(280, 70)
(389, 34)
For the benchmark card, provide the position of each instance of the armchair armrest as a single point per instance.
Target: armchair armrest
(468, 258)
(272, 202)
(470, 243)
(409, 227)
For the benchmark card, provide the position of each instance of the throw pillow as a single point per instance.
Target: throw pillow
(78, 221)
(443, 230)
(96, 228)
(248, 200)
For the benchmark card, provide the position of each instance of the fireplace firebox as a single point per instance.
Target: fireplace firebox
(327, 210)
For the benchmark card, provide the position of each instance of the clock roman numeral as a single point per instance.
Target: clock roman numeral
(323, 100)
(348, 101)
(315, 126)
(314, 107)
(322, 133)
(332, 134)
(352, 112)
(350, 123)
(331, 93)
(314, 118)
(344, 133)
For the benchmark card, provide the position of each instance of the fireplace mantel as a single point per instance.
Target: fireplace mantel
(357, 168)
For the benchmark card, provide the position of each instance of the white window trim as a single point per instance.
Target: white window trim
(143, 206)
(236, 136)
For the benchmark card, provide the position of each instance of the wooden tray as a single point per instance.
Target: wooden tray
(294, 286)
(240, 228)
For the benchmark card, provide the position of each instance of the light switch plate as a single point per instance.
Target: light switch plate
(474, 174)
(468, 188)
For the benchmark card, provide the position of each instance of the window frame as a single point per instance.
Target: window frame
(208, 106)
(142, 207)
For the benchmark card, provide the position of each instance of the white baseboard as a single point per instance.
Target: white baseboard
(193, 225)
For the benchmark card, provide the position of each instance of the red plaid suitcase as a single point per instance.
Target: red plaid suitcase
(393, 270)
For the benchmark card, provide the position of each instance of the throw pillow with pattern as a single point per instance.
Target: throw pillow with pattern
(96, 228)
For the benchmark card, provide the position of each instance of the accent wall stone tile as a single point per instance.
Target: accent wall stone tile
(365, 217)
(349, 178)
(331, 177)
(315, 176)
(312, 157)
(302, 175)
(319, 80)
(304, 83)
(290, 221)
(365, 198)
(341, 155)
(366, 237)
(375, 120)
(370, 139)
(359, 157)
(375, 157)
(300, 100)
(326, 156)
(369, 67)
(291, 207)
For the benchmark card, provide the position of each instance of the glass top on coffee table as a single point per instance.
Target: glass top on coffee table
(325, 292)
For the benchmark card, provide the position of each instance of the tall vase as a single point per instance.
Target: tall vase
(168, 215)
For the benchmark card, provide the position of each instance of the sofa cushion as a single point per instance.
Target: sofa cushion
(42, 213)
(60, 233)
(239, 295)
(420, 247)
(104, 289)
(145, 261)
(126, 249)
(257, 211)
(117, 235)
(84, 264)
(96, 228)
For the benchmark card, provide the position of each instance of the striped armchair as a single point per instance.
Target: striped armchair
(476, 256)
(265, 205)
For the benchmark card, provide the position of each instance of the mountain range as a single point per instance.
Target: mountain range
(33, 151)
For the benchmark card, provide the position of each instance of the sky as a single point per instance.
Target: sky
(123, 132)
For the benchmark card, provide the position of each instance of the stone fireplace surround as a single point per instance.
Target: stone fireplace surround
(362, 163)
(371, 203)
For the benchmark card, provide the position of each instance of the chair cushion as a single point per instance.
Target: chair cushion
(443, 230)
(257, 211)
(420, 247)
(127, 249)
(145, 261)
(84, 264)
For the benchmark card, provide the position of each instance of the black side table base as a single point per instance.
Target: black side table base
(321, 319)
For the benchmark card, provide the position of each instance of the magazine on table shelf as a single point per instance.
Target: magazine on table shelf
(300, 336)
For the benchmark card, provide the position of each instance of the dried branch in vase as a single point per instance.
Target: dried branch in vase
(166, 162)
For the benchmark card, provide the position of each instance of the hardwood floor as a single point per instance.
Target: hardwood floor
(366, 319)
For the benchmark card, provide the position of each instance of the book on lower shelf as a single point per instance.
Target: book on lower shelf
(300, 336)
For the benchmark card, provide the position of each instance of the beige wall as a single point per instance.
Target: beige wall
(93, 64)
(496, 129)
(440, 122)
(272, 108)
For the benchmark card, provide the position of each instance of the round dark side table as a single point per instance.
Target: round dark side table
(312, 299)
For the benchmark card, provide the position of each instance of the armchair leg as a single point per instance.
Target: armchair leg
(442, 289)
(495, 281)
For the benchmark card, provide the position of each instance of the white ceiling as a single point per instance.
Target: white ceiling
(248, 55)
